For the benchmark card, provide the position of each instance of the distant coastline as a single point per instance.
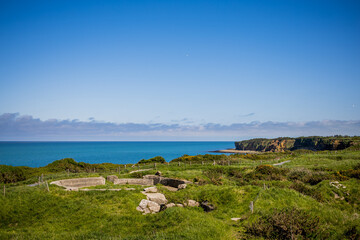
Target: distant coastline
(233, 150)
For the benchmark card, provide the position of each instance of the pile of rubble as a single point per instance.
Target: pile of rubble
(156, 202)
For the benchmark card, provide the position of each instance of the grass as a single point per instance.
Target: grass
(296, 196)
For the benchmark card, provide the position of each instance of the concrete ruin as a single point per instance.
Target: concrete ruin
(76, 183)
(149, 180)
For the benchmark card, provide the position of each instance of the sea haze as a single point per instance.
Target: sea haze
(38, 154)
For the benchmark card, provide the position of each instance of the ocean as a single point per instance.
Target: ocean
(38, 154)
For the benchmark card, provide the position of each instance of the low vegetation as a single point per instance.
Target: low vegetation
(313, 195)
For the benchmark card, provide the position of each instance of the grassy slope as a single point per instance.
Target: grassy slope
(303, 183)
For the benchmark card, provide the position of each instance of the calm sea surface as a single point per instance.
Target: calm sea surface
(37, 154)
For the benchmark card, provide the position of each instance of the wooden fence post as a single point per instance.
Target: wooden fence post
(252, 207)
(47, 186)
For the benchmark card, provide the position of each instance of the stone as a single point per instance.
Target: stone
(147, 206)
(208, 207)
(158, 173)
(150, 190)
(153, 207)
(235, 219)
(179, 205)
(182, 186)
(76, 183)
(111, 178)
(169, 205)
(156, 179)
(171, 189)
(159, 198)
(191, 203)
(134, 181)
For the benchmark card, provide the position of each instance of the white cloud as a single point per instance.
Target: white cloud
(14, 126)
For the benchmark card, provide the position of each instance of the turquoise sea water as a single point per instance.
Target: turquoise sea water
(37, 154)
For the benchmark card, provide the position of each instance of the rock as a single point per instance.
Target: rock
(191, 203)
(235, 219)
(158, 173)
(171, 189)
(155, 179)
(208, 207)
(150, 190)
(169, 205)
(147, 206)
(111, 178)
(130, 189)
(182, 186)
(156, 197)
(179, 205)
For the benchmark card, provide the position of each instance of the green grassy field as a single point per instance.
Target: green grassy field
(291, 201)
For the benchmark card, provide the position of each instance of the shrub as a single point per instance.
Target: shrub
(306, 190)
(157, 159)
(215, 175)
(352, 233)
(65, 164)
(10, 174)
(285, 224)
(267, 172)
(299, 174)
(315, 178)
(351, 173)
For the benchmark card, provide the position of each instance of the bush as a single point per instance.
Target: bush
(215, 175)
(157, 159)
(266, 172)
(306, 190)
(351, 173)
(285, 224)
(352, 233)
(10, 174)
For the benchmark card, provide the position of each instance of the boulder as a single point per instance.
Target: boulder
(158, 173)
(182, 186)
(169, 205)
(208, 207)
(191, 203)
(156, 197)
(150, 190)
(147, 206)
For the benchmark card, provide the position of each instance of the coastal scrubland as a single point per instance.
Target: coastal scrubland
(274, 195)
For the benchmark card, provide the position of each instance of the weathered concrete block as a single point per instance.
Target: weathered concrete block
(155, 178)
(134, 181)
(80, 182)
(111, 178)
(173, 182)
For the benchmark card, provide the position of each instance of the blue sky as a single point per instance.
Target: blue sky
(186, 63)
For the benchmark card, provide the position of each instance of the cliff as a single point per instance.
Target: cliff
(314, 143)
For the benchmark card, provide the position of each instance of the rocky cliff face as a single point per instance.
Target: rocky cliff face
(285, 144)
